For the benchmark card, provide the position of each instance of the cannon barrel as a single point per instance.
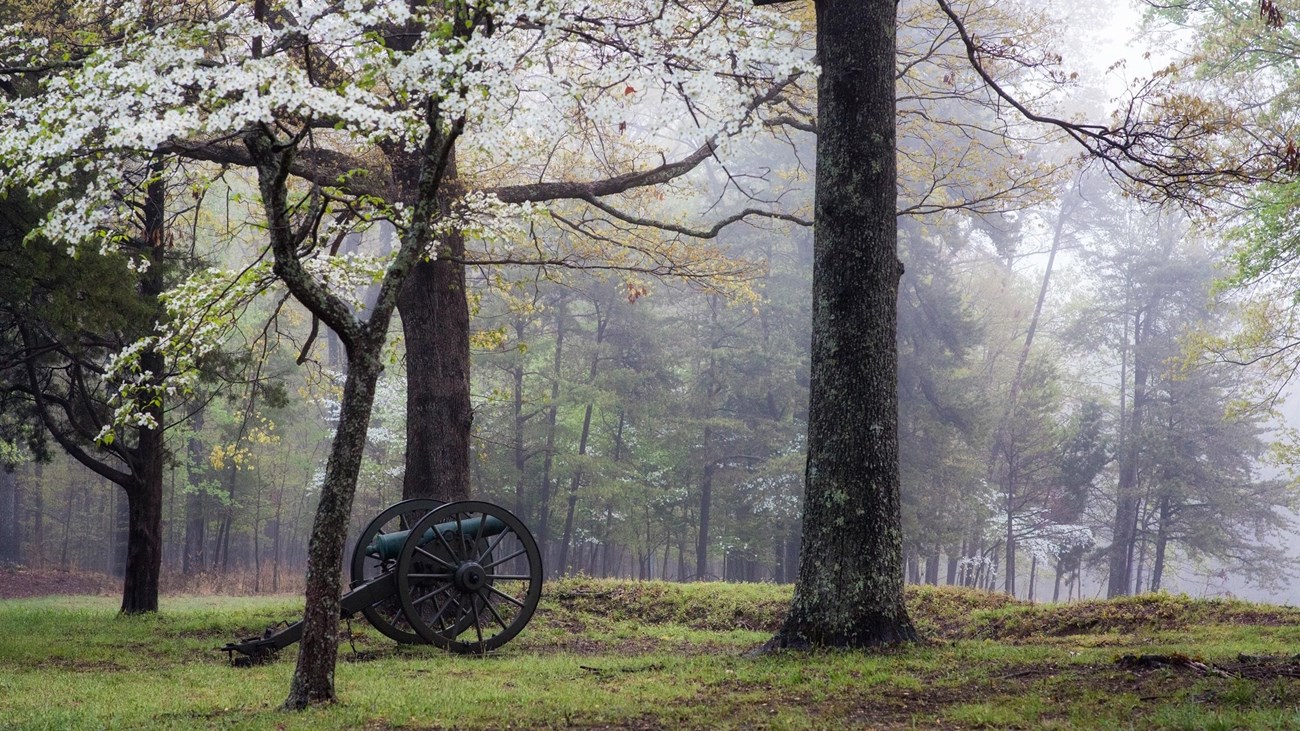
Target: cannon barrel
(388, 545)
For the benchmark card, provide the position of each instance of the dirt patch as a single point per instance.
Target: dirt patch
(1249, 667)
(1263, 667)
(22, 583)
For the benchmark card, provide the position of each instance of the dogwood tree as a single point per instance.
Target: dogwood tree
(444, 119)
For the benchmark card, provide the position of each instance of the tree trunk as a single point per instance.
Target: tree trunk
(562, 566)
(850, 587)
(1124, 529)
(932, 567)
(144, 492)
(144, 544)
(116, 518)
(196, 523)
(38, 514)
(1033, 576)
(257, 538)
(520, 455)
(1162, 540)
(9, 508)
(706, 504)
(313, 677)
(221, 549)
(552, 413)
(1009, 580)
(1140, 548)
(435, 322)
(1003, 442)
(275, 541)
(67, 529)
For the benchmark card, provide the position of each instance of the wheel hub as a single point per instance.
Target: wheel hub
(470, 577)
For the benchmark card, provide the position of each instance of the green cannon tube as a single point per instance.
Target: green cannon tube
(389, 545)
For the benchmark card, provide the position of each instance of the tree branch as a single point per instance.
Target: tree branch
(697, 233)
(1177, 170)
(125, 479)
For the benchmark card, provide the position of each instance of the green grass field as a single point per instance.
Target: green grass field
(624, 655)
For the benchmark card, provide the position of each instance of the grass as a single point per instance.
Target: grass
(602, 654)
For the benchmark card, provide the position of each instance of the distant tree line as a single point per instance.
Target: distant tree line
(658, 432)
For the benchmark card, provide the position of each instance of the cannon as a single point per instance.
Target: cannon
(464, 576)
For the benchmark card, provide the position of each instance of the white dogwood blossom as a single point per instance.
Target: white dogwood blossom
(533, 85)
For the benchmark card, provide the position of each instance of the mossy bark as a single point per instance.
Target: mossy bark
(849, 592)
(313, 678)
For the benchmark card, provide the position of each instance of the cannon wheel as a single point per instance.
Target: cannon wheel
(465, 591)
(387, 615)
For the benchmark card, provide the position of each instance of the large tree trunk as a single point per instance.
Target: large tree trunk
(435, 322)
(144, 506)
(144, 544)
(313, 678)
(850, 587)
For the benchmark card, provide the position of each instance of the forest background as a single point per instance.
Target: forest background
(642, 404)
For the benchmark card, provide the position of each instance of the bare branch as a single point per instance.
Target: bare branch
(697, 233)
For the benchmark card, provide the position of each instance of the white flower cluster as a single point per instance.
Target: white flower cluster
(202, 311)
(551, 71)
(543, 82)
(348, 275)
(1056, 539)
(484, 216)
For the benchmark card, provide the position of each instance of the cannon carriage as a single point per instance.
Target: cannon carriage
(464, 576)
